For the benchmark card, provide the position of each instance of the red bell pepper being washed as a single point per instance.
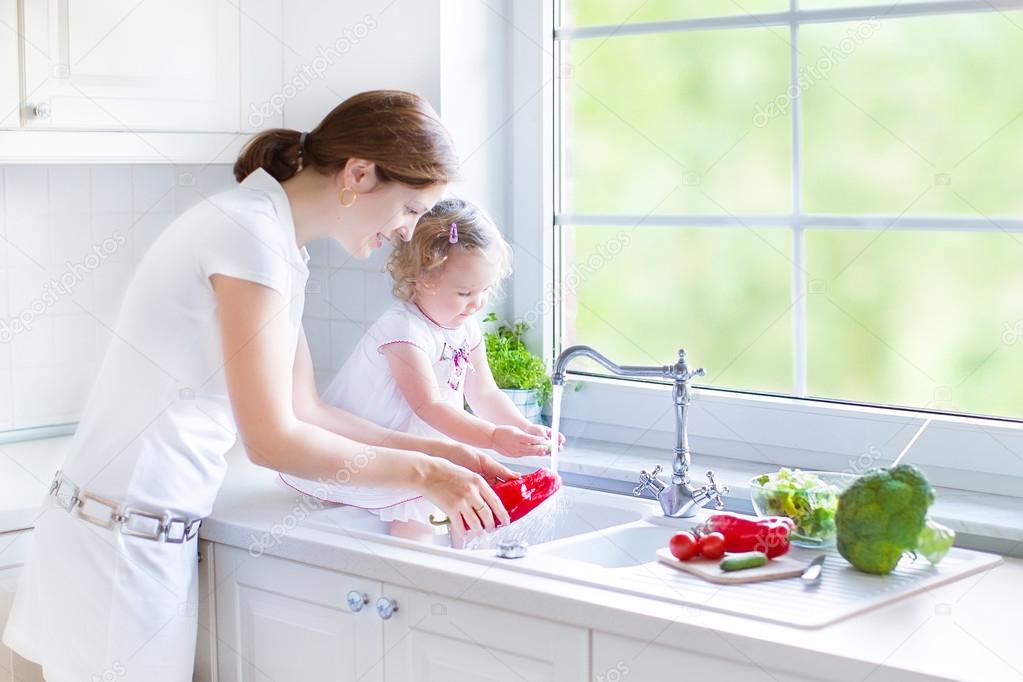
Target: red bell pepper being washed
(523, 494)
(769, 534)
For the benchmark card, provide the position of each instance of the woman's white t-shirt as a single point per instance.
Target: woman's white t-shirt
(154, 433)
(366, 387)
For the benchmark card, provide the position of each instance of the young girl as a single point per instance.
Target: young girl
(424, 358)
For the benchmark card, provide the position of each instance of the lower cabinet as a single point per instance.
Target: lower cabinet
(13, 552)
(290, 622)
(616, 658)
(432, 638)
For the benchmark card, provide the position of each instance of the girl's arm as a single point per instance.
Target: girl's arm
(254, 330)
(311, 408)
(493, 404)
(418, 384)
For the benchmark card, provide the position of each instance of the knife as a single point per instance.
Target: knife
(812, 573)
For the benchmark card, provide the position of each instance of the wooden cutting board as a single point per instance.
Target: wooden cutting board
(708, 569)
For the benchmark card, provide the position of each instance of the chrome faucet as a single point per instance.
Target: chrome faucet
(679, 498)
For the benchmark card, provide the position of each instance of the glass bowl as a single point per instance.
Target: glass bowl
(809, 498)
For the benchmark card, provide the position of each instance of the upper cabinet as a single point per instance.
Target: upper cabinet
(8, 58)
(123, 80)
(126, 65)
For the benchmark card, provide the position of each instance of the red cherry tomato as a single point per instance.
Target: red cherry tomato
(684, 546)
(712, 545)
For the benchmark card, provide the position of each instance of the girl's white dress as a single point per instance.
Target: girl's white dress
(366, 387)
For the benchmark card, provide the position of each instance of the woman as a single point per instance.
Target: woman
(209, 348)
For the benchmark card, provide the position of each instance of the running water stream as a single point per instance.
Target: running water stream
(555, 425)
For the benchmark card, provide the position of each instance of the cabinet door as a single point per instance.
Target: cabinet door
(289, 622)
(129, 65)
(13, 550)
(9, 64)
(623, 658)
(431, 638)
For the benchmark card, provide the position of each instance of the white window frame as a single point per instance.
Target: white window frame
(965, 452)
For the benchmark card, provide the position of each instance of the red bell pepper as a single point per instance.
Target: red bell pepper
(524, 494)
(769, 534)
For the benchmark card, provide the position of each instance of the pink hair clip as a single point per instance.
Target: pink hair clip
(453, 234)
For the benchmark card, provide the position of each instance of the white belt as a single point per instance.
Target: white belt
(131, 520)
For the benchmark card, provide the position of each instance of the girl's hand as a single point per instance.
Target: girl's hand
(466, 498)
(545, 431)
(512, 441)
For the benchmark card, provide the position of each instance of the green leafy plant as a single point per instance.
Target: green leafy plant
(513, 366)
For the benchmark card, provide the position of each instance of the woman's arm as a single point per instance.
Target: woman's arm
(254, 330)
(418, 384)
(311, 408)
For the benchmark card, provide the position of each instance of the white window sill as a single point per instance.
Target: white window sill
(982, 520)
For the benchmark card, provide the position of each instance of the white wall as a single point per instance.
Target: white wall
(454, 53)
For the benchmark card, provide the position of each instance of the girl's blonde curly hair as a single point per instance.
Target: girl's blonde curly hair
(416, 261)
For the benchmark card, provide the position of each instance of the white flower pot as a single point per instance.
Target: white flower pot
(526, 402)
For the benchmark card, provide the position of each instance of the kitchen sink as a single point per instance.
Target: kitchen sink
(629, 545)
(572, 512)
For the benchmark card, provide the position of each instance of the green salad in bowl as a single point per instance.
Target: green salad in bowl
(809, 498)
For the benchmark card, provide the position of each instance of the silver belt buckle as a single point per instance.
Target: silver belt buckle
(188, 530)
(67, 503)
(107, 522)
(161, 523)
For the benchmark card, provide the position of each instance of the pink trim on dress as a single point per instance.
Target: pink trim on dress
(450, 329)
(380, 348)
(345, 504)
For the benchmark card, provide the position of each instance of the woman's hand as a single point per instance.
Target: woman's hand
(466, 498)
(545, 432)
(512, 441)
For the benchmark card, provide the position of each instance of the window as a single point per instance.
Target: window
(818, 202)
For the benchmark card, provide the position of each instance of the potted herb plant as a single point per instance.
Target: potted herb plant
(519, 373)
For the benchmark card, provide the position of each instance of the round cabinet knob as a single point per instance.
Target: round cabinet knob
(386, 607)
(356, 600)
(41, 110)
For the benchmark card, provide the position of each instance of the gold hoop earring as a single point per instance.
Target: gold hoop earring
(344, 203)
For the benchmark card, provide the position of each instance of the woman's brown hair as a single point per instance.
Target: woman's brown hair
(398, 131)
(417, 260)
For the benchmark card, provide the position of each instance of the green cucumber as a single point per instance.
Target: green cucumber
(741, 560)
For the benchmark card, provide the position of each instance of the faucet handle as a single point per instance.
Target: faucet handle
(649, 481)
(715, 491)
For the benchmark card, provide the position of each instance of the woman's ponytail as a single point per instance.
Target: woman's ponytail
(278, 151)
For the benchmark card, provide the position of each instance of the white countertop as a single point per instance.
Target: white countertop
(964, 630)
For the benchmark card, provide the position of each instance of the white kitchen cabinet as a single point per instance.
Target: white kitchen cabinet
(126, 65)
(290, 622)
(431, 638)
(13, 551)
(206, 637)
(8, 56)
(140, 82)
(616, 658)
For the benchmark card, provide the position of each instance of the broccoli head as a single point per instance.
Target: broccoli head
(881, 515)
